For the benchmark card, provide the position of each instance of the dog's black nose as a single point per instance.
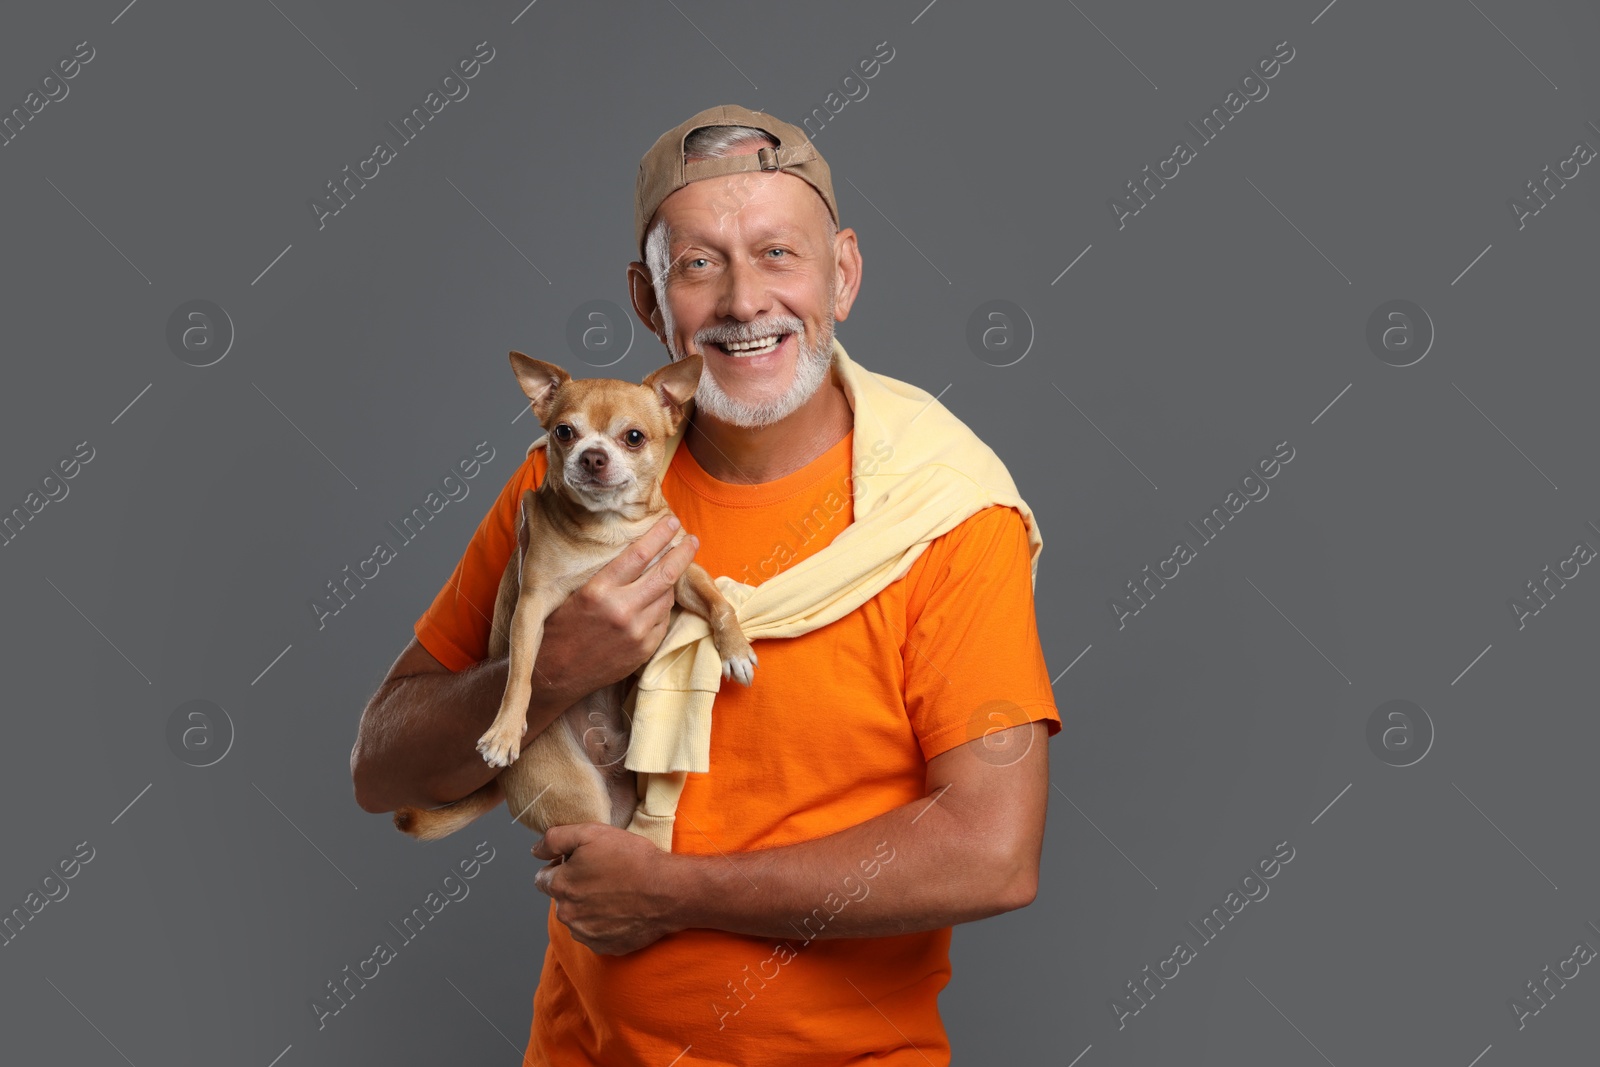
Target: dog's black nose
(593, 460)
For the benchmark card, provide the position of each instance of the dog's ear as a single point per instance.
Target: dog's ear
(675, 385)
(539, 380)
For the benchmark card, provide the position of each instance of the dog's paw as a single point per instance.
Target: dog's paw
(741, 667)
(500, 748)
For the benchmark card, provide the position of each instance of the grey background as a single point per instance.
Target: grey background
(1226, 717)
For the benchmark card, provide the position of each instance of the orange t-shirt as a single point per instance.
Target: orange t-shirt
(836, 729)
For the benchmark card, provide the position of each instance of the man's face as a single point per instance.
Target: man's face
(751, 287)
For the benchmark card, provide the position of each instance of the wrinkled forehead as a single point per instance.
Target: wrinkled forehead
(753, 206)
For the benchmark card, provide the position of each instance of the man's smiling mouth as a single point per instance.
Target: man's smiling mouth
(759, 347)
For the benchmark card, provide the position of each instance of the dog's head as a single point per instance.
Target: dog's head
(608, 438)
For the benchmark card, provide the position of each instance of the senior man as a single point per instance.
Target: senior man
(886, 775)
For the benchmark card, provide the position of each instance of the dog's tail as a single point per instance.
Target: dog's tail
(430, 824)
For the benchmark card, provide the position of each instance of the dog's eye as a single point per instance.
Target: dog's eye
(563, 432)
(634, 438)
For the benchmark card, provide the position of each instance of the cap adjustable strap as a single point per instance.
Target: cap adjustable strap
(765, 158)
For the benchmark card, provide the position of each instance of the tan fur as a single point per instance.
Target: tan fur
(572, 771)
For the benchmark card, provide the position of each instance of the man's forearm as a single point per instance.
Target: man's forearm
(420, 750)
(919, 867)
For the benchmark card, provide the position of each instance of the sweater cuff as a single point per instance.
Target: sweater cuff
(657, 829)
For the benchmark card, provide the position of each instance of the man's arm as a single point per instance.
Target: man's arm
(967, 850)
(416, 745)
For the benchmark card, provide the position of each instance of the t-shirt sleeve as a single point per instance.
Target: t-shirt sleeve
(455, 628)
(973, 662)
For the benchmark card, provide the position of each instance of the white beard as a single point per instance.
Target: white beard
(812, 364)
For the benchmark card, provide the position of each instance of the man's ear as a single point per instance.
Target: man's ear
(675, 386)
(847, 273)
(642, 294)
(539, 380)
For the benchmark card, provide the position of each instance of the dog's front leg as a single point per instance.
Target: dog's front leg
(698, 593)
(502, 743)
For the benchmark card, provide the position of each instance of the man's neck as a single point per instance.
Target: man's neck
(750, 456)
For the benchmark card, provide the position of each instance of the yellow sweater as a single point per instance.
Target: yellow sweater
(937, 474)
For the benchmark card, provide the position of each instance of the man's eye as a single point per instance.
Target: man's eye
(784, 251)
(698, 259)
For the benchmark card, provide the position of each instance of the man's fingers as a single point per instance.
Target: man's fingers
(631, 563)
(665, 574)
(542, 877)
(564, 840)
(556, 842)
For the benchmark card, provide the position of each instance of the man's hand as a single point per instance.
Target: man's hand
(609, 885)
(611, 625)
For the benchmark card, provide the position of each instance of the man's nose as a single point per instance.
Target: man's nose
(593, 460)
(744, 295)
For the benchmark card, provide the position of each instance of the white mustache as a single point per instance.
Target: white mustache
(721, 335)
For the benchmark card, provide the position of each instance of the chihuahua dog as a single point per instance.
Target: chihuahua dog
(601, 492)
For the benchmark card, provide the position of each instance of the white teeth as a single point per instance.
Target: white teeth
(757, 347)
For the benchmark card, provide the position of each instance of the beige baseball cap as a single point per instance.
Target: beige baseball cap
(663, 172)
